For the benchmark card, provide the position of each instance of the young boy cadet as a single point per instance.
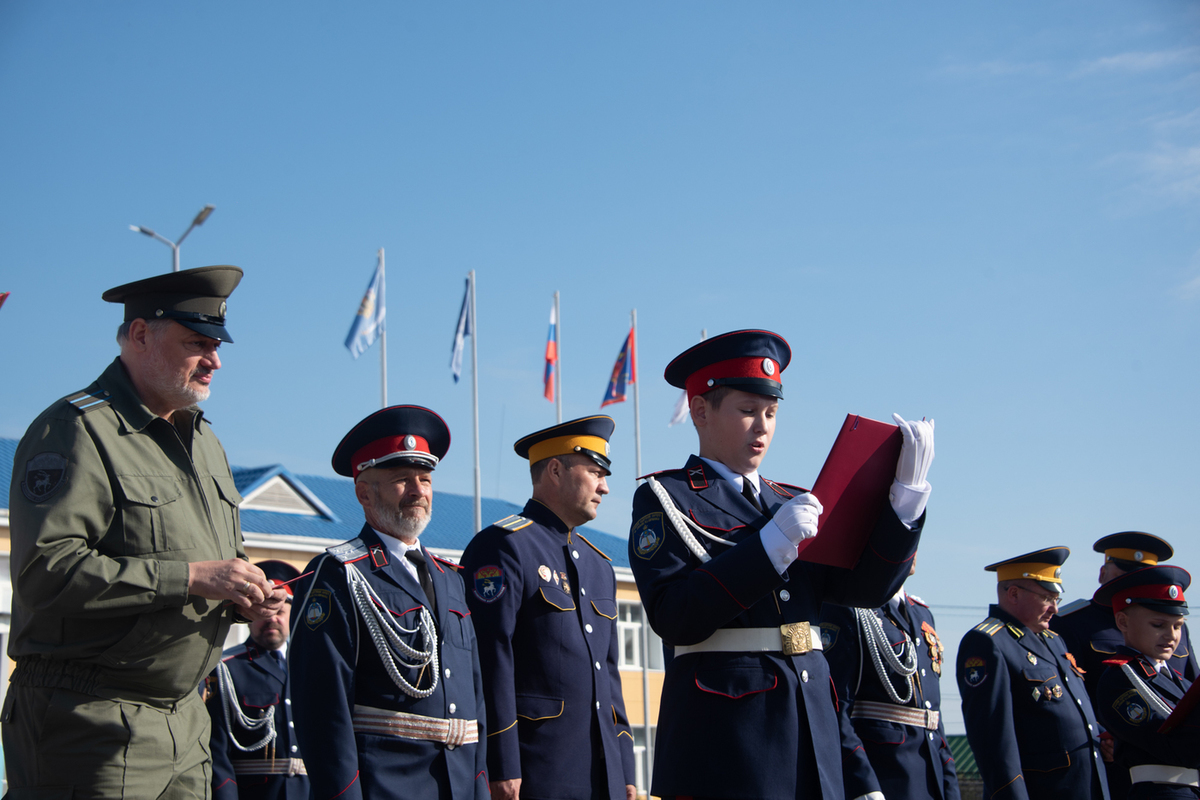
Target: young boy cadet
(747, 708)
(1141, 686)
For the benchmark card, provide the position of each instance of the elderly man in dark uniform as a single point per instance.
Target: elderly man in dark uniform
(1141, 686)
(253, 744)
(544, 603)
(747, 708)
(1028, 715)
(887, 667)
(127, 560)
(1088, 627)
(385, 670)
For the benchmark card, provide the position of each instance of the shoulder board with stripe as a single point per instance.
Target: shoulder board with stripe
(918, 600)
(1049, 634)
(1073, 606)
(514, 522)
(349, 551)
(656, 474)
(89, 399)
(788, 490)
(589, 544)
(1118, 661)
(991, 626)
(446, 561)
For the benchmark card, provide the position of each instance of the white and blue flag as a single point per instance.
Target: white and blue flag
(368, 323)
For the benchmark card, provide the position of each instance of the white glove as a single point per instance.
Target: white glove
(916, 454)
(797, 518)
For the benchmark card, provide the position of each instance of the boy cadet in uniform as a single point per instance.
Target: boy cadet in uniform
(1142, 685)
(385, 671)
(253, 744)
(1088, 627)
(887, 667)
(1028, 715)
(126, 544)
(747, 708)
(544, 603)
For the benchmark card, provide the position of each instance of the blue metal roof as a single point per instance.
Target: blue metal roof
(341, 517)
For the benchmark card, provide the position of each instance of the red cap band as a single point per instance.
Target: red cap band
(390, 445)
(745, 367)
(287, 588)
(1169, 593)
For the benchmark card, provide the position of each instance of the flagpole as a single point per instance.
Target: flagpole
(475, 401)
(558, 355)
(382, 334)
(637, 460)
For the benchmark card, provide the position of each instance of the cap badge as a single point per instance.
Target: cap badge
(1173, 592)
(1058, 572)
(768, 366)
(410, 442)
(544, 573)
(158, 312)
(221, 313)
(1138, 555)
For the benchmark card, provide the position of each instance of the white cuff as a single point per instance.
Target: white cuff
(871, 795)
(779, 547)
(909, 501)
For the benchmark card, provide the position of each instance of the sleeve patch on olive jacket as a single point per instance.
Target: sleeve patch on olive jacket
(44, 474)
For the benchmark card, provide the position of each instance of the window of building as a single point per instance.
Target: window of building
(629, 629)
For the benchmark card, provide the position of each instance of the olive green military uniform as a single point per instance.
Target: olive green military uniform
(108, 504)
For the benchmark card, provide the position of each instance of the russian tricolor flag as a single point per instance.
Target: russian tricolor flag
(551, 356)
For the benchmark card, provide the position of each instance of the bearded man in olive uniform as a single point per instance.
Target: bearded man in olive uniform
(127, 561)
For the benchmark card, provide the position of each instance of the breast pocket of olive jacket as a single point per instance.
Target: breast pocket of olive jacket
(149, 511)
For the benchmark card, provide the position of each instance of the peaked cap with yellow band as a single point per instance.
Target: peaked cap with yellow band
(195, 298)
(587, 436)
(1133, 549)
(1042, 566)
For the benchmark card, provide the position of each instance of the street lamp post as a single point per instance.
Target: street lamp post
(197, 222)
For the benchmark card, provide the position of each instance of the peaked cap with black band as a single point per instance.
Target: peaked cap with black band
(1044, 567)
(587, 436)
(1130, 550)
(1157, 588)
(751, 361)
(396, 436)
(195, 298)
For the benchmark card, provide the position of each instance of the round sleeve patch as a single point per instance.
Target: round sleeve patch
(44, 474)
(974, 671)
(1132, 708)
(488, 583)
(648, 535)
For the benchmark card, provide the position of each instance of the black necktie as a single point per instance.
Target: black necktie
(749, 493)
(414, 555)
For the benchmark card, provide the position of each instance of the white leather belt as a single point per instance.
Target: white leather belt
(1163, 773)
(273, 766)
(451, 732)
(793, 639)
(886, 712)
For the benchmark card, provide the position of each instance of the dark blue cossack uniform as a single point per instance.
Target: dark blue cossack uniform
(897, 748)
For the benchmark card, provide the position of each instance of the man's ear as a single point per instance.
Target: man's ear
(362, 491)
(138, 335)
(1122, 620)
(699, 409)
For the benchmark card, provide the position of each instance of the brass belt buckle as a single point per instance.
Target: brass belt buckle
(797, 638)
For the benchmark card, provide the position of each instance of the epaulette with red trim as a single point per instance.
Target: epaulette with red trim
(917, 600)
(788, 490)
(446, 561)
(356, 550)
(656, 474)
(1117, 662)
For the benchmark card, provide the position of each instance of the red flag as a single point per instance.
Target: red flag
(551, 356)
(3, 297)
(624, 371)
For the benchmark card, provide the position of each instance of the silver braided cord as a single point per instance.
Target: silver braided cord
(389, 635)
(1156, 703)
(229, 705)
(881, 650)
(682, 524)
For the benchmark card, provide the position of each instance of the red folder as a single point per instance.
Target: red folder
(1182, 711)
(853, 488)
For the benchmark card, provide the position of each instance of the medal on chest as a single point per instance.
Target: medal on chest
(935, 647)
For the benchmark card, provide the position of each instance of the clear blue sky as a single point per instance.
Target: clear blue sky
(981, 212)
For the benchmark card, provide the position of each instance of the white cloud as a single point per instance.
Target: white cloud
(1140, 62)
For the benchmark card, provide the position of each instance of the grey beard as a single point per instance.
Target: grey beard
(400, 526)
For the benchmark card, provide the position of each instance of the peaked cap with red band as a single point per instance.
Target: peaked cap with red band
(278, 572)
(751, 361)
(393, 437)
(1157, 588)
